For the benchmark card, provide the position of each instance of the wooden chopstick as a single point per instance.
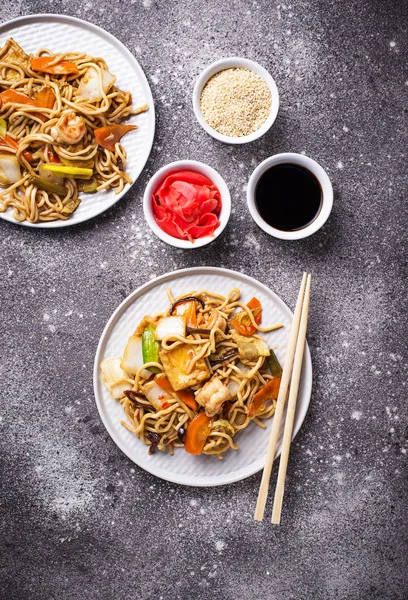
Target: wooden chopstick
(290, 416)
(283, 389)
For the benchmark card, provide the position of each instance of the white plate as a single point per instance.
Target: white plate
(184, 468)
(60, 33)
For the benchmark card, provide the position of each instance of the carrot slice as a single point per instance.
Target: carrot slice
(270, 391)
(188, 398)
(197, 433)
(241, 321)
(108, 136)
(63, 67)
(256, 307)
(45, 98)
(185, 395)
(28, 156)
(188, 309)
(16, 97)
(191, 314)
(8, 141)
(53, 157)
(163, 382)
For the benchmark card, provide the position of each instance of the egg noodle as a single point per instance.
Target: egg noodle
(32, 127)
(166, 426)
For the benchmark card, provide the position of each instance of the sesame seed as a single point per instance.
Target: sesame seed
(236, 102)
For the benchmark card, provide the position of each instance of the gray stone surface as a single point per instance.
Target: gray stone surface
(79, 520)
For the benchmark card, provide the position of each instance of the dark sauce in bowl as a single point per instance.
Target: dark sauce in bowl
(288, 197)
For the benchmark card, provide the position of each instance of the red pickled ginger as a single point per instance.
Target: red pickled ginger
(186, 205)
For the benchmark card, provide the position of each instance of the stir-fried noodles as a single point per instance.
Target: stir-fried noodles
(60, 131)
(196, 374)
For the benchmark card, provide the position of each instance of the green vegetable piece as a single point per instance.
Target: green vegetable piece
(150, 348)
(88, 187)
(3, 129)
(67, 171)
(274, 366)
(49, 186)
(224, 426)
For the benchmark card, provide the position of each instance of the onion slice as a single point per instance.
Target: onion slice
(10, 171)
(174, 325)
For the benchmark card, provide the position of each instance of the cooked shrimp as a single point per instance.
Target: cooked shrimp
(70, 129)
(212, 396)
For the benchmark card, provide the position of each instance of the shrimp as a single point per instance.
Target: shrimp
(220, 322)
(212, 396)
(70, 128)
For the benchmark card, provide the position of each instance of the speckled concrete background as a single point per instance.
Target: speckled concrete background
(78, 519)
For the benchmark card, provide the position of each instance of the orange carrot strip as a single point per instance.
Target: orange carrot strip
(63, 67)
(108, 136)
(15, 97)
(197, 433)
(185, 395)
(8, 141)
(45, 98)
(268, 392)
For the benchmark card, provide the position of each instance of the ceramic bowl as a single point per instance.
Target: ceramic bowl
(186, 165)
(318, 172)
(232, 63)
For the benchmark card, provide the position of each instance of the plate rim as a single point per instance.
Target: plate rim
(234, 476)
(26, 19)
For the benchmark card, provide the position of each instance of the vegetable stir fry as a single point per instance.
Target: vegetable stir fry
(196, 374)
(60, 131)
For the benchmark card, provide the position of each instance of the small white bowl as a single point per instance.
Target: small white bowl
(187, 165)
(233, 63)
(318, 172)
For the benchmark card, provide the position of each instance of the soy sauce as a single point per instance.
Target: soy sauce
(288, 197)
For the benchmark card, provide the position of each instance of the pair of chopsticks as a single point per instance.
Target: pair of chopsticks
(290, 375)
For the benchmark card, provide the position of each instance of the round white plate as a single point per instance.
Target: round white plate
(184, 468)
(60, 33)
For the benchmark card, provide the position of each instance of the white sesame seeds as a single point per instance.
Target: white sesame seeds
(236, 102)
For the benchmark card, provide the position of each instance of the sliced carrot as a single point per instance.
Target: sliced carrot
(197, 433)
(16, 97)
(45, 98)
(241, 321)
(28, 156)
(188, 309)
(270, 391)
(53, 157)
(191, 314)
(108, 136)
(188, 398)
(63, 67)
(163, 382)
(8, 141)
(185, 395)
(256, 308)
